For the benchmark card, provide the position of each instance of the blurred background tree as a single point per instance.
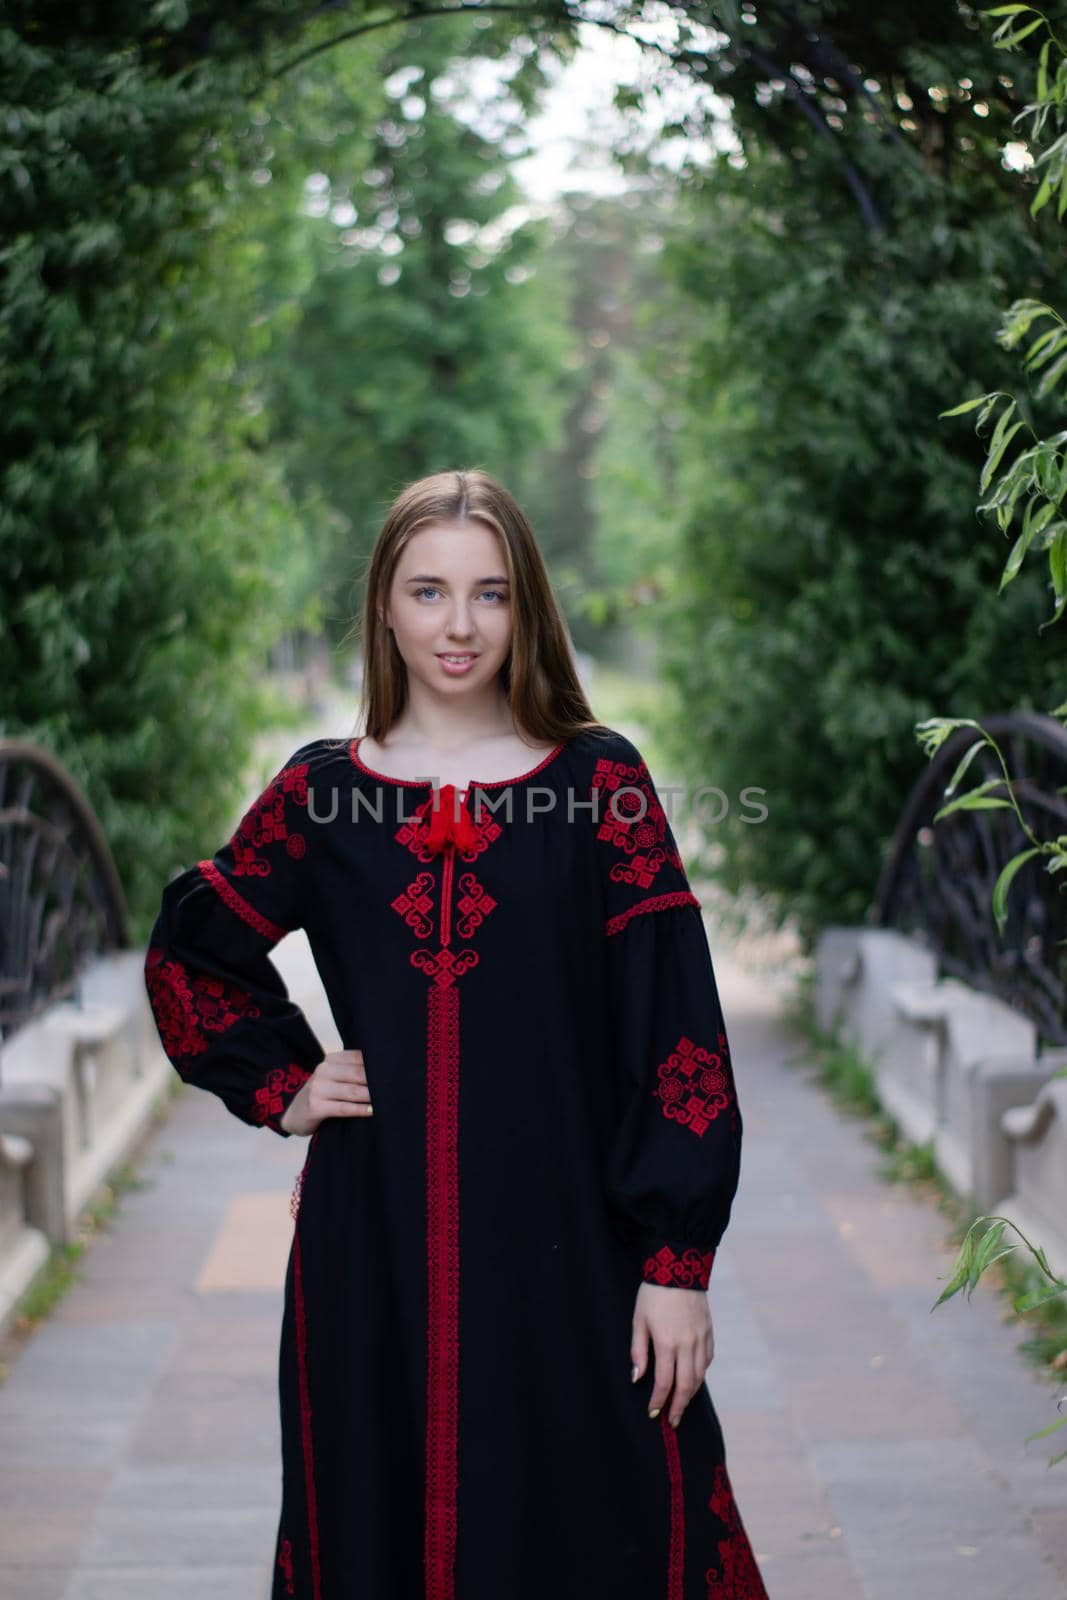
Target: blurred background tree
(254, 284)
(209, 392)
(825, 287)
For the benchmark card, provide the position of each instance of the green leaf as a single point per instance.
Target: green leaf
(1052, 375)
(979, 744)
(1055, 339)
(984, 1254)
(1041, 340)
(1004, 883)
(968, 802)
(1043, 1433)
(1043, 192)
(1002, 423)
(1020, 33)
(1038, 1297)
(1032, 526)
(1015, 560)
(1057, 561)
(995, 455)
(933, 731)
(986, 409)
(968, 405)
(961, 1268)
(1042, 1261)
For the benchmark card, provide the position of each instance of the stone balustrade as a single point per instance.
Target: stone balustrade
(78, 1086)
(958, 1069)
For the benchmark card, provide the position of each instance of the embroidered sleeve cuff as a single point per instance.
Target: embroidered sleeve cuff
(675, 1266)
(281, 1085)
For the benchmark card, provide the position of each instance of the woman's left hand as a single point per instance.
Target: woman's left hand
(678, 1321)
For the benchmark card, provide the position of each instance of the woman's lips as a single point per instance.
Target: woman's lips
(456, 669)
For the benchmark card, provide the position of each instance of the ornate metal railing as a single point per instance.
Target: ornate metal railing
(938, 878)
(61, 901)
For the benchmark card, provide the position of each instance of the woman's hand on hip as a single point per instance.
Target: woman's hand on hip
(678, 1323)
(336, 1088)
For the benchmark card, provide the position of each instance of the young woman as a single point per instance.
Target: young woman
(496, 1325)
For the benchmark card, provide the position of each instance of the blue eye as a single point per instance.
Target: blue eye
(429, 588)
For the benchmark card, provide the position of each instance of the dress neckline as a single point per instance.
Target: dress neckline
(425, 783)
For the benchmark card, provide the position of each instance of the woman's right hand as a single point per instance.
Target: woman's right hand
(336, 1088)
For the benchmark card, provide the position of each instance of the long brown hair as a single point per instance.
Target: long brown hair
(538, 674)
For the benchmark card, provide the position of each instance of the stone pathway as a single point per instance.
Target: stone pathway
(876, 1449)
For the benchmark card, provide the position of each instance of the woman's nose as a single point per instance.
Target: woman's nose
(459, 626)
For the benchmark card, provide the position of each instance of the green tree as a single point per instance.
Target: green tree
(423, 337)
(842, 273)
(152, 549)
(144, 534)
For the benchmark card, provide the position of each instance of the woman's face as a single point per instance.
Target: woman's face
(450, 597)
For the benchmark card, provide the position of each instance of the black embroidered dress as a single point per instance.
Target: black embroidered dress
(526, 970)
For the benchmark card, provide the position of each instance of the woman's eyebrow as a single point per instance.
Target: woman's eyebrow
(430, 577)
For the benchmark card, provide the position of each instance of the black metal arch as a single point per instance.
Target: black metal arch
(61, 901)
(937, 881)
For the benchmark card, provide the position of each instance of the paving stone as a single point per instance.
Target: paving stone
(167, 1583)
(32, 1582)
(933, 1512)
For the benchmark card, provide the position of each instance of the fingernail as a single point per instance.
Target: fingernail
(675, 1421)
(656, 1412)
(633, 1375)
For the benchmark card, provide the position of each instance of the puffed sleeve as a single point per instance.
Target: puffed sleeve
(675, 1152)
(220, 1005)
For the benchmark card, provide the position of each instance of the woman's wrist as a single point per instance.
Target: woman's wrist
(293, 1118)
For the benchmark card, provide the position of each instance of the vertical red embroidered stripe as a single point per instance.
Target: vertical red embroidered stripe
(305, 1418)
(676, 1545)
(442, 1235)
(447, 870)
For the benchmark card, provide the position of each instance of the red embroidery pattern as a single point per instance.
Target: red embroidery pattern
(451, 834)
(691, 1269)
(285, 1561)
(694, 1084)
(655, 902)
(298, 1187)
(187, 1005)
(266, 823)
(632, 820)
(270, 1100)
(444, 966)
(237, 903)
(442, 1224)
(473, 905)
(737, 1576)
(415, 904)
(300, 1314)
(441, 830)
(676, 1538)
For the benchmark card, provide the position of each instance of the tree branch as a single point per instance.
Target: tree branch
(868, 210)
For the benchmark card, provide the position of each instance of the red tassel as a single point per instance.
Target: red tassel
(449, 824)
